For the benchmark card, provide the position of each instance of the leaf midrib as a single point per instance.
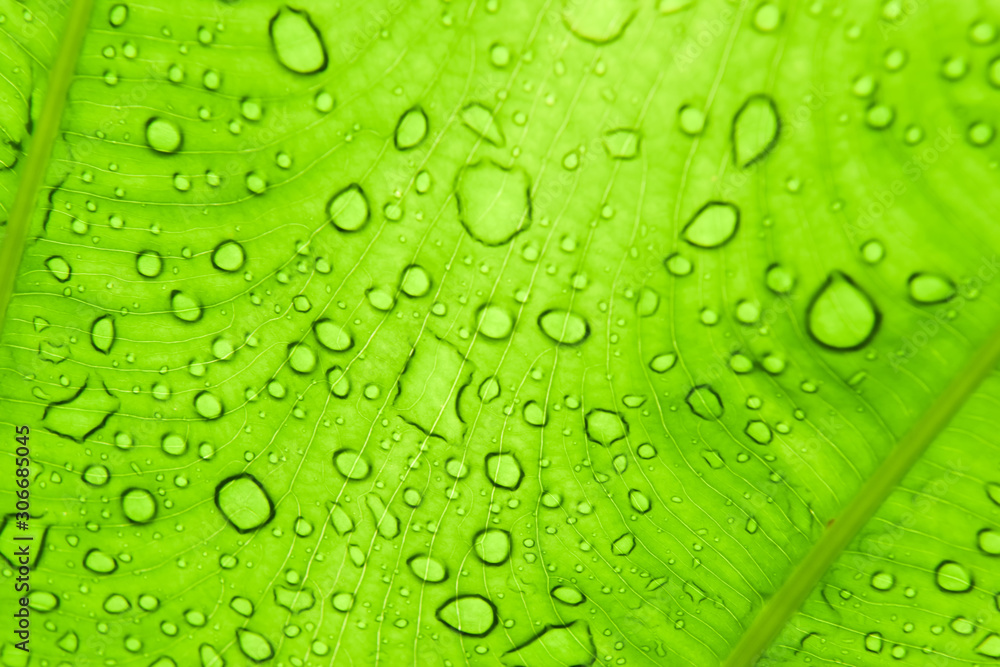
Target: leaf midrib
(40, 149)
(780, 607)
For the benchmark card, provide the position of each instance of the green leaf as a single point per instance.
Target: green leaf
(493, 333)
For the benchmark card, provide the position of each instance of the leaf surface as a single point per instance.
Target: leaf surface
(500, 333)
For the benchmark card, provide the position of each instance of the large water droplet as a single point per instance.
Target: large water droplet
(931, 288)
(623, 545)
(411, 129)
(332, 336)
(622, 144)
(148, 263)
(953, 577)
(185, 307)
(427, 568)
(564, 327)
(349, 209)
(351, 464)
(99, 562)
(504, 470)
(297, 42)
(492, 546)
(841, 316)
(480, 120)
(138, 505)
(605, 427)
(244, 502)
(102, 334)
(59, 268)
(471, 615)
(705, 402)
(163, 136)
(494, 322)
(254, 646)
(756, 127)
(598, 21)
(494, 203)
(228, 256)
(568, 595)
(713, 225)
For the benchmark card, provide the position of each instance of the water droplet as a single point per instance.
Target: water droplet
(332, 336)
(102, 334)
(883, 581)
(471, 615)
(756, 127)
(480, 120)
(504, 470)
(640, 501)
(662, 363)
(148, 263)
(244, 502)
(349, 209)
(207, 405)
(953, 577)
(342, 601)
(564, 327)
(340, 383)
(411, 129)
(705, 402)
(138, 505)
(841, 316)
(767, 18)
(427, 568)
(494, 203)
(691, 119)
(351, 464)
(99, 562)
(59, 268)
(492, 546)
(779, 279)
(254, 646)
(415, 281)
(605, 427)
(301, 358)
(499, 55)
(386, 523)
(990, 646)
(568, 644)
(930, 288)
(495, 322)
(117, 15)
(622, 143)
(598, 21)
(879, 116)
(163, 136)
(759, 432)
(185, 308)
(568, 595)
(678, 265)
(624, 545)
(989, 541)
(297, 42)
(713, 225)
